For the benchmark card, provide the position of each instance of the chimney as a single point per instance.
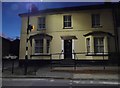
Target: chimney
(34, 8)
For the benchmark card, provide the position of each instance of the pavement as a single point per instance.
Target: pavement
(95, 73)
(79, 77)
(85, 72)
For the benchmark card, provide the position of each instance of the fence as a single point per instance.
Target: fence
(76, 62)
(97, 59)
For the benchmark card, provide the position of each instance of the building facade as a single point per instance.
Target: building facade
(82, 33)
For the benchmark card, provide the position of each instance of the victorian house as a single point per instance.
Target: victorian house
(82, 33)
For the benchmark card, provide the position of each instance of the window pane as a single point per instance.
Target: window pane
(69, 18)
(48, 45)
(88, 41)
(65, 18)
(65, 24)
(67, 21)
(41, 23)
(88, 49)
(47, 49)
(95, 20)
(39, 46)
(101, 41)
(88, 44)
(98, 45)
(69, 24)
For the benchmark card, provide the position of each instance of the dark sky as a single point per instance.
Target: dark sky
(11, 22)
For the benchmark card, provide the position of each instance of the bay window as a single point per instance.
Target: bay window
(40, 46)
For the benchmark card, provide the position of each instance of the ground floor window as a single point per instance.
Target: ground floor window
(98, 45)
(38, 45)
(48, 46)
(42, 46)
(88, 45)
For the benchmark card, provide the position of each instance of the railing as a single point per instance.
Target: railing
(11, 59)
(77, 60)
(60, 54)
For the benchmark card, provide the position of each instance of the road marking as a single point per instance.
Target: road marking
(97, 82)
(52, 80)
(112, 83)
(76, 82)
(26, 79)
(91, 82)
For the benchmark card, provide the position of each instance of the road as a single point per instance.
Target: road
(56, 83)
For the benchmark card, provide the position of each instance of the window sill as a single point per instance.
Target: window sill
(67, 27)
(99, 26)
(41, 54)
(97, 54)
(41, 29)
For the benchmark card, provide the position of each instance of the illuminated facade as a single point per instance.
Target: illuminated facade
(87, 31)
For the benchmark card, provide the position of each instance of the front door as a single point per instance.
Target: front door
(68, 49)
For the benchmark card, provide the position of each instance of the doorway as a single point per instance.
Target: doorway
(68, 49)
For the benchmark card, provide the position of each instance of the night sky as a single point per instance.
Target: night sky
(11, 22)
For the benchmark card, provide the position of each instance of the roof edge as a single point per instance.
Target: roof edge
(63, 9)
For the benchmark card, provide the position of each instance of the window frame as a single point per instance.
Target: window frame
(48, 46)
(99, 46)
(67, 19)
(88, 45)
(42, 22)
(41, 47)
(96, 21)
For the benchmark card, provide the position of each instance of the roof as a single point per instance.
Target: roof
(41, 35)
(68, 9)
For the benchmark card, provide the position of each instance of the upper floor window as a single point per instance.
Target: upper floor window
(41, 23)
(38, 45)
(98, 45)
(95, 20)
(67, 21)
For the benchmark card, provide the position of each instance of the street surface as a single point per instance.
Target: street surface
(56, 83)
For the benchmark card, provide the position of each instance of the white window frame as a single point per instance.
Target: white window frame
(67, 21)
